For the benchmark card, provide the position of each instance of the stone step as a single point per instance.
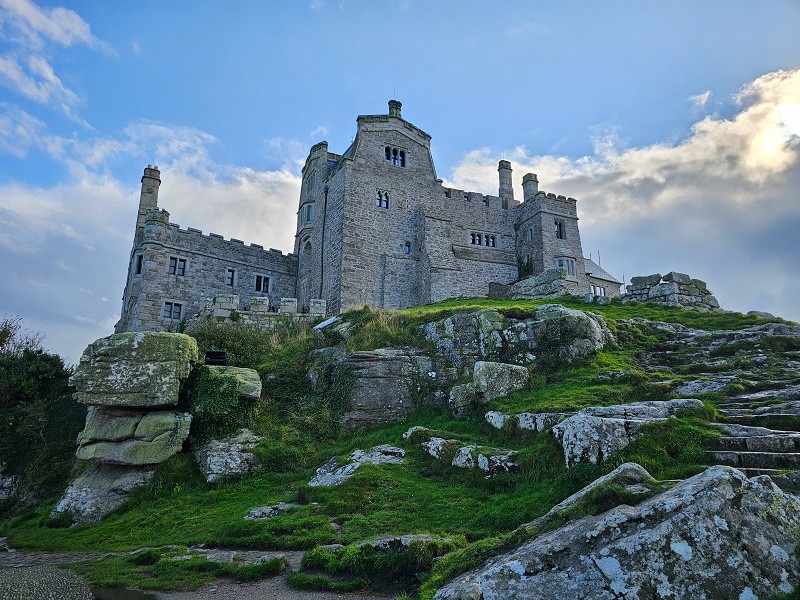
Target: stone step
(775, 422)
(736, 412)
(761, 443)
(758, 460)
(735, 430)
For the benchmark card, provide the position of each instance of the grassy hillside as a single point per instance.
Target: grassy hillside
(420, 496)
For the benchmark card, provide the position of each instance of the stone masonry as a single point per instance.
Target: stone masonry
(673, 289)
(375, 226)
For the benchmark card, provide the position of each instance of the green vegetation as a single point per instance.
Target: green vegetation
(171, 568)
(39, 420)
(216, 407)
(299, 423)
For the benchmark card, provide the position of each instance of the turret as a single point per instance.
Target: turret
(394, 108)
(506, 189)
(530, 186)
(148, 199)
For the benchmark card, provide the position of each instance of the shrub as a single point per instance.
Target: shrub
(216, 406)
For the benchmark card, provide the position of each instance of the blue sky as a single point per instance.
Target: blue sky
(675, 124)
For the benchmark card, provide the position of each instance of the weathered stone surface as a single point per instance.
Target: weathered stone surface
(527, 421)
(100, 490)
(248, 382)
(594, 434)
(716, 535)
(395, 543)
(463, 338)
(437, 447)
(462, 396)
(549, 283)
(494, 380)
(228, 458)
(332, 474)
(9, 484)
(266, 512)
(109, 424)
(702, 386)
(134, 369)
(384, 382)
(158, 435)
(568, 335)
(676, 289)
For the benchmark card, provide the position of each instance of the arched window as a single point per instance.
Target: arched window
(381, 199)
(388, 153)
(402, 158)
(407, 248)
(395, 159)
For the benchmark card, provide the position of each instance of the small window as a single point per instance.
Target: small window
(466, 196)
(381, 199)
(559, 229)
(485, 201)
(262, 283)
(568, 264)
(529, 234)
(172, 311)
(139, 260)
(594, 290)
(230, 278)
(177, 266)
(309, 212)
(395, 156)
(407, 248)
(492, 242)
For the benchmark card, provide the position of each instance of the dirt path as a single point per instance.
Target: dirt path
(36, 577)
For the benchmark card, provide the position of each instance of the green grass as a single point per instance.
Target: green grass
(172, 568)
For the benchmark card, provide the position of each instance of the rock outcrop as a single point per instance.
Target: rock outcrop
(594, 434)
(382, 385)
(230, 457)
(492, 461)
(715, 535)
(549, 283)
(131, 382)
(673, 289)
(332, 474)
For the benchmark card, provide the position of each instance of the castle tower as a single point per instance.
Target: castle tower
(148, 198)
(506, 192)
(394, 108)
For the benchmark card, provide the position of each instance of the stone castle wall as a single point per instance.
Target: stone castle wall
(207, 260)
(351, 251)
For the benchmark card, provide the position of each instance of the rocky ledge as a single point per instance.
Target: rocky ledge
(669, 546)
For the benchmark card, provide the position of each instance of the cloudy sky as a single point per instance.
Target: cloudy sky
(675, 124)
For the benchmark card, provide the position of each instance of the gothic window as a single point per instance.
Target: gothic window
(230, 277)
(177, 266)
(395, 156)
(309, 212)
(559, 229)
(172, 311)
(139, 260)
(566, 263)
(381, 199)
(483, 239)
(492, 242)
(262, 283)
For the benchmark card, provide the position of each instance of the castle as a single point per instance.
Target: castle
(375, 226)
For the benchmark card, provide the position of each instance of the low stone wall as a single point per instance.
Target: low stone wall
(131, 383)
(228, 309)
(672, 289)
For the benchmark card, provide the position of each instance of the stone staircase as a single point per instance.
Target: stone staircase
(761, 436)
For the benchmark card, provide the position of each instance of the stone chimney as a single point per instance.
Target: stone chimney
(148, 199)
(506, 189)
(394, 108)
(530, 186)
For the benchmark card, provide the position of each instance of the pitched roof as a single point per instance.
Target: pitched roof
(596, 271)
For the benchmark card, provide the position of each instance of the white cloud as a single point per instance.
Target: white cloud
(37, 81)
(720, 204)
(19, 131)
(34, 25)
(700, 100)
(319, 131)
(136, 46)
(316, 5)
